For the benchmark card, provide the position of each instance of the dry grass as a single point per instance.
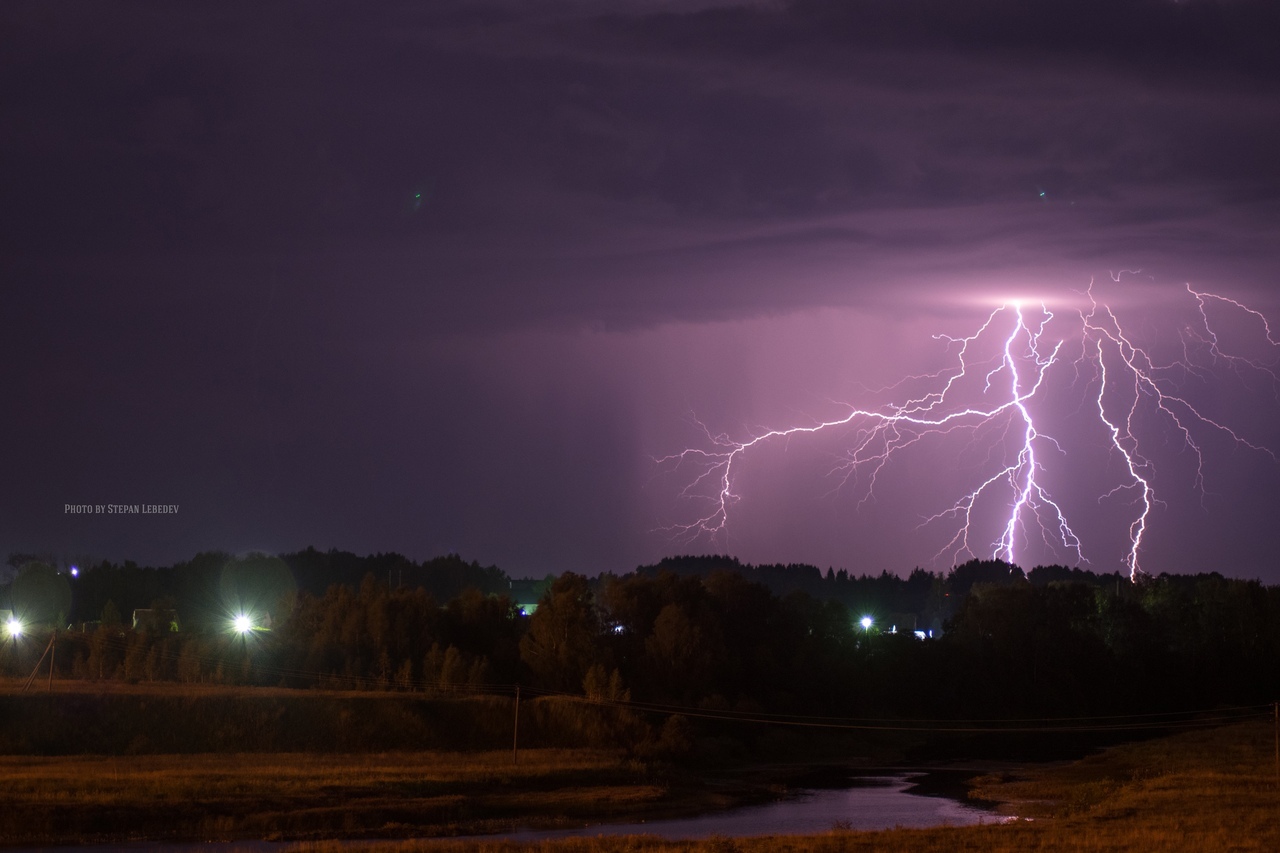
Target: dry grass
(1205, 790)
(298, 795)
(1211, 790)
(108, 780)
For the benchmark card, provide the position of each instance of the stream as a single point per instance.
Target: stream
(859, 801)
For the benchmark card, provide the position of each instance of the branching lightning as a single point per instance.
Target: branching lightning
(1021, 362)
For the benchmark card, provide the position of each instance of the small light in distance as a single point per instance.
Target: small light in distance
(243, 624)
(14, 628)
(75, 572)
(866, 623)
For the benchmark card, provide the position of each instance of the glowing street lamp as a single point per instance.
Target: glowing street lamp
(13, 627)
(866, 623)
(243, 624)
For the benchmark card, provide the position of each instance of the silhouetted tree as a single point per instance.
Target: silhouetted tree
(563, 640)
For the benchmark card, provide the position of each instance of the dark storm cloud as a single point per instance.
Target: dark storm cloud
(547, 133)
(487, 119)
(1159, 36)
(285, 259)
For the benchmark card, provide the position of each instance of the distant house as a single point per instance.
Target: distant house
(525, 594)
(156, 620)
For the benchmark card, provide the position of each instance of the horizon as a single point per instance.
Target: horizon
(85, 563)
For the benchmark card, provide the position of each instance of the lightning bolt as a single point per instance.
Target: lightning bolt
(1018, 360)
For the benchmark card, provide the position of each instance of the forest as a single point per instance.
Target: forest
(694, 634)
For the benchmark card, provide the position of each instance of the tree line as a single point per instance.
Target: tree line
(690, 633)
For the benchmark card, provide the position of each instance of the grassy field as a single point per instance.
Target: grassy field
(1202, 790)
(74, 798)
(1206, 790)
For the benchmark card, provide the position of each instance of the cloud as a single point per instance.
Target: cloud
(251, 245)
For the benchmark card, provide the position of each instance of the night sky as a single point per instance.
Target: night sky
(449, 276)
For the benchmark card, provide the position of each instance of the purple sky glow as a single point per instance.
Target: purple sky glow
(451, 276)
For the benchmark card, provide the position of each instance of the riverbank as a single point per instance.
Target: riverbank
(136, 785)
(1211, 789)
(108, 762)
(1202, 790)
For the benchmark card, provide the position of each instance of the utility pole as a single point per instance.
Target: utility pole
(47, 650)
(515, 732)
(1275, 711)
(53, 650)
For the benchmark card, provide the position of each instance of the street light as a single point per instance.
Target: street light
(243, 624)
(14, 627)
(866, 623)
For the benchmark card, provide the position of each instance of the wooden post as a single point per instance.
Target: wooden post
(1275, 710)
(53, 650)
(32, 676)
(515, 731)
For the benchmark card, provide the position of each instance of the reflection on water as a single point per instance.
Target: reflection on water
(881, 802)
